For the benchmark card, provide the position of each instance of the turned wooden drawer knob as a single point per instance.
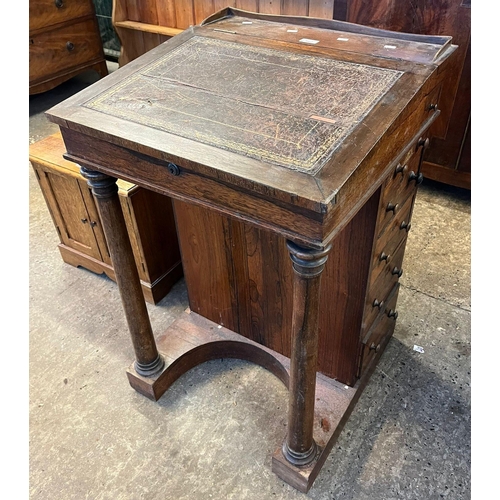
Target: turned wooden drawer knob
(377, 303)
(418, 178)
(392, 314)
(384, 256)
(400, 169)
(391, 207)
(397, 272)
(58, 3)
(374, 347)
(70, 46)
(423, 143)
(405, 226)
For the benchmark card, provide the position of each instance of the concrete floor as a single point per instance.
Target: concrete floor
(213, 433)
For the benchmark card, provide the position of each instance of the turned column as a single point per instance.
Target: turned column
(308, 264)
(148, 361)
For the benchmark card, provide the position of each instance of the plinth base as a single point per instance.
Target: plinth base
(193, 339)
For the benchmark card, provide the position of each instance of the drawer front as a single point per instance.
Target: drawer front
(381, 331)
(63, 49)
(428, 105)
(383, 282)
(400, 186)
(45, 13)
(391, 238)
(380, 289)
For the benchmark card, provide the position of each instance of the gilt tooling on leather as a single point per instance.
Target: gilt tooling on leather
(280, 107)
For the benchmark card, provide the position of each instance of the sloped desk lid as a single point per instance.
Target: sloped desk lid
(268, 99)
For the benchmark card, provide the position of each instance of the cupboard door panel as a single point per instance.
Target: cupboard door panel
(69, 211)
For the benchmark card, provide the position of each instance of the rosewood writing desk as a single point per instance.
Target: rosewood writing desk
(291, 148)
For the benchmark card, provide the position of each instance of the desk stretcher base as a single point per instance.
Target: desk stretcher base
(193, 339)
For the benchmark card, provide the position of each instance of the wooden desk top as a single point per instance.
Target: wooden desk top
(299, 112)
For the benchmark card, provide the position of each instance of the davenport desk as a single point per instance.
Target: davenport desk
(291, 148)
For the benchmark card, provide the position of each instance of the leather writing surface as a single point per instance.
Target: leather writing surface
(280, 107)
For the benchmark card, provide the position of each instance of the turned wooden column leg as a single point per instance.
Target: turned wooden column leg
(299, 447)
(148, 361)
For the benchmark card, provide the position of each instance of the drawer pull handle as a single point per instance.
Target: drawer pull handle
(400, 169)
(374, 347)
(393, 314)
(58, 3)
(70, 46)
(398, 272)
(433, 107)
(377, 303)
(405, 225)
(173, 169)
(93, 224)
(391, 207)
(84, 221)
(384, 256)
(418, 178)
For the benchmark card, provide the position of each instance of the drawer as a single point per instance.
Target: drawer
(45, 13)
(381, 331)
(380, 289)
(394, 234)
(389, 275)
(62, 49)
(428, 105)
(401, 185)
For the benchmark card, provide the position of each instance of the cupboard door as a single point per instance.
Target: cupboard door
(95, 223)
(69, 211)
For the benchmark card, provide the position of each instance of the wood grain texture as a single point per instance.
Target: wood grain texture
(321, 8)
(44, 13)
(49, 52)
(166, 13)
(242, 208)
(259, 279)
(184, 14)
(270, 6)
(202, 9)
(451, 131)
(105, 191)
(148, 217)
(180, 14)
(401, 108)
(64, 41)
(210, 271)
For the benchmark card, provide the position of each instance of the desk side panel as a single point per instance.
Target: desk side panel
(241, 276)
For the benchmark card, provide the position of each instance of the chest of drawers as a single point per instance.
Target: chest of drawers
(64, 40)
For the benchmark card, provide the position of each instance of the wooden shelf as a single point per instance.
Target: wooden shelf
(148, 28)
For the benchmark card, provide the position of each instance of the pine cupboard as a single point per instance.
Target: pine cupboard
(148, 218)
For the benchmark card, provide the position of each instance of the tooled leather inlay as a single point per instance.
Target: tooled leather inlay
(281, 107)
